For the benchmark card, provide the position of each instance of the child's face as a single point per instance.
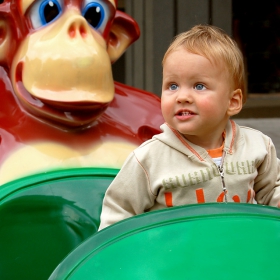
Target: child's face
(196, 95)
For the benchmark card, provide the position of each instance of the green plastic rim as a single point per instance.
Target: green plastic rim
(30, 181)
(130, 249)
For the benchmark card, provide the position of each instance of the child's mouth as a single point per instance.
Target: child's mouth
(184, 114)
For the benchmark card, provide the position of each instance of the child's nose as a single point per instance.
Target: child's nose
(184, 96)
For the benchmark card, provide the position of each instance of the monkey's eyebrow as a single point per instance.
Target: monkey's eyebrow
(24, 4)
(112, 2)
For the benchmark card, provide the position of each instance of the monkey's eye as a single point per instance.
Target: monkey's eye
(44, 11)
(97, 13)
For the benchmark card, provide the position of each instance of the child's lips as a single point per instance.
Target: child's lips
(184, 113)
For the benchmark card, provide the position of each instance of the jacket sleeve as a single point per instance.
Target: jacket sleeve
(267, 183)
(128, 195)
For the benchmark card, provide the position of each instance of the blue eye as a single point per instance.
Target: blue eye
(97, 13)
(94, 14)
(45, 11)
(200, 87)
(173, 87)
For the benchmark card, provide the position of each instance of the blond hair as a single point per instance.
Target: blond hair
(214, 44)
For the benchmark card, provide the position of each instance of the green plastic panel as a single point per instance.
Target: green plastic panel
(207, 241)
(45, 216)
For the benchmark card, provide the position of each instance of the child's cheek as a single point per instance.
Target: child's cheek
(166, 113)
(208, 106)
(167, 107)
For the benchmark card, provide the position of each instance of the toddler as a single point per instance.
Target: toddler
(201, 155)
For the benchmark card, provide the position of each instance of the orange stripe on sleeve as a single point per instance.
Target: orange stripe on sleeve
(236, 199)
(221, 197)
(200, 196)
(168, 199)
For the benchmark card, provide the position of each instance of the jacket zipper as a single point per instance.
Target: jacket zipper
(221, 171)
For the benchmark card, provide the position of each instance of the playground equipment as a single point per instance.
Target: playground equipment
(60, 107)
(202, 241)
(65, 130)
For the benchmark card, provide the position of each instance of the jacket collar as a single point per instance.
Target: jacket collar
(174, 139)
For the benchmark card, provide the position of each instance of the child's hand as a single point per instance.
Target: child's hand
(278, 204)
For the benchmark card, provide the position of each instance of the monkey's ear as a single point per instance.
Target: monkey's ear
(5, 37)
(124, 31)
(5, 41)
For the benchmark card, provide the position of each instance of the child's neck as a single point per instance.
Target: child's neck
(207, 144)
(216, 153)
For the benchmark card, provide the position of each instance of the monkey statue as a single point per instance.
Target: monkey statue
(60, 107)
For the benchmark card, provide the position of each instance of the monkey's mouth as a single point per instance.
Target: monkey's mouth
(77, 113)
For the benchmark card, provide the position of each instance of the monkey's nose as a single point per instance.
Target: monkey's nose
(78, 28)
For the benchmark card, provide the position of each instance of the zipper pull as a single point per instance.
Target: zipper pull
(221, 171)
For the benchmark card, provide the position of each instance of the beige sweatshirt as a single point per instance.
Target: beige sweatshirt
(170, 171)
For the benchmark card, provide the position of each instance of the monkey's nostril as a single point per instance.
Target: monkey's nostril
(83, 31)
(72, 31)
(76, 29)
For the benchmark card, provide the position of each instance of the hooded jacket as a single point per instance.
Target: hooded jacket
(170, 171)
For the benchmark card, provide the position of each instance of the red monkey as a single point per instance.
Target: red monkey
(60, 107)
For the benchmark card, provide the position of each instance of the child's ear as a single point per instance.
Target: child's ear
(235, 102)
